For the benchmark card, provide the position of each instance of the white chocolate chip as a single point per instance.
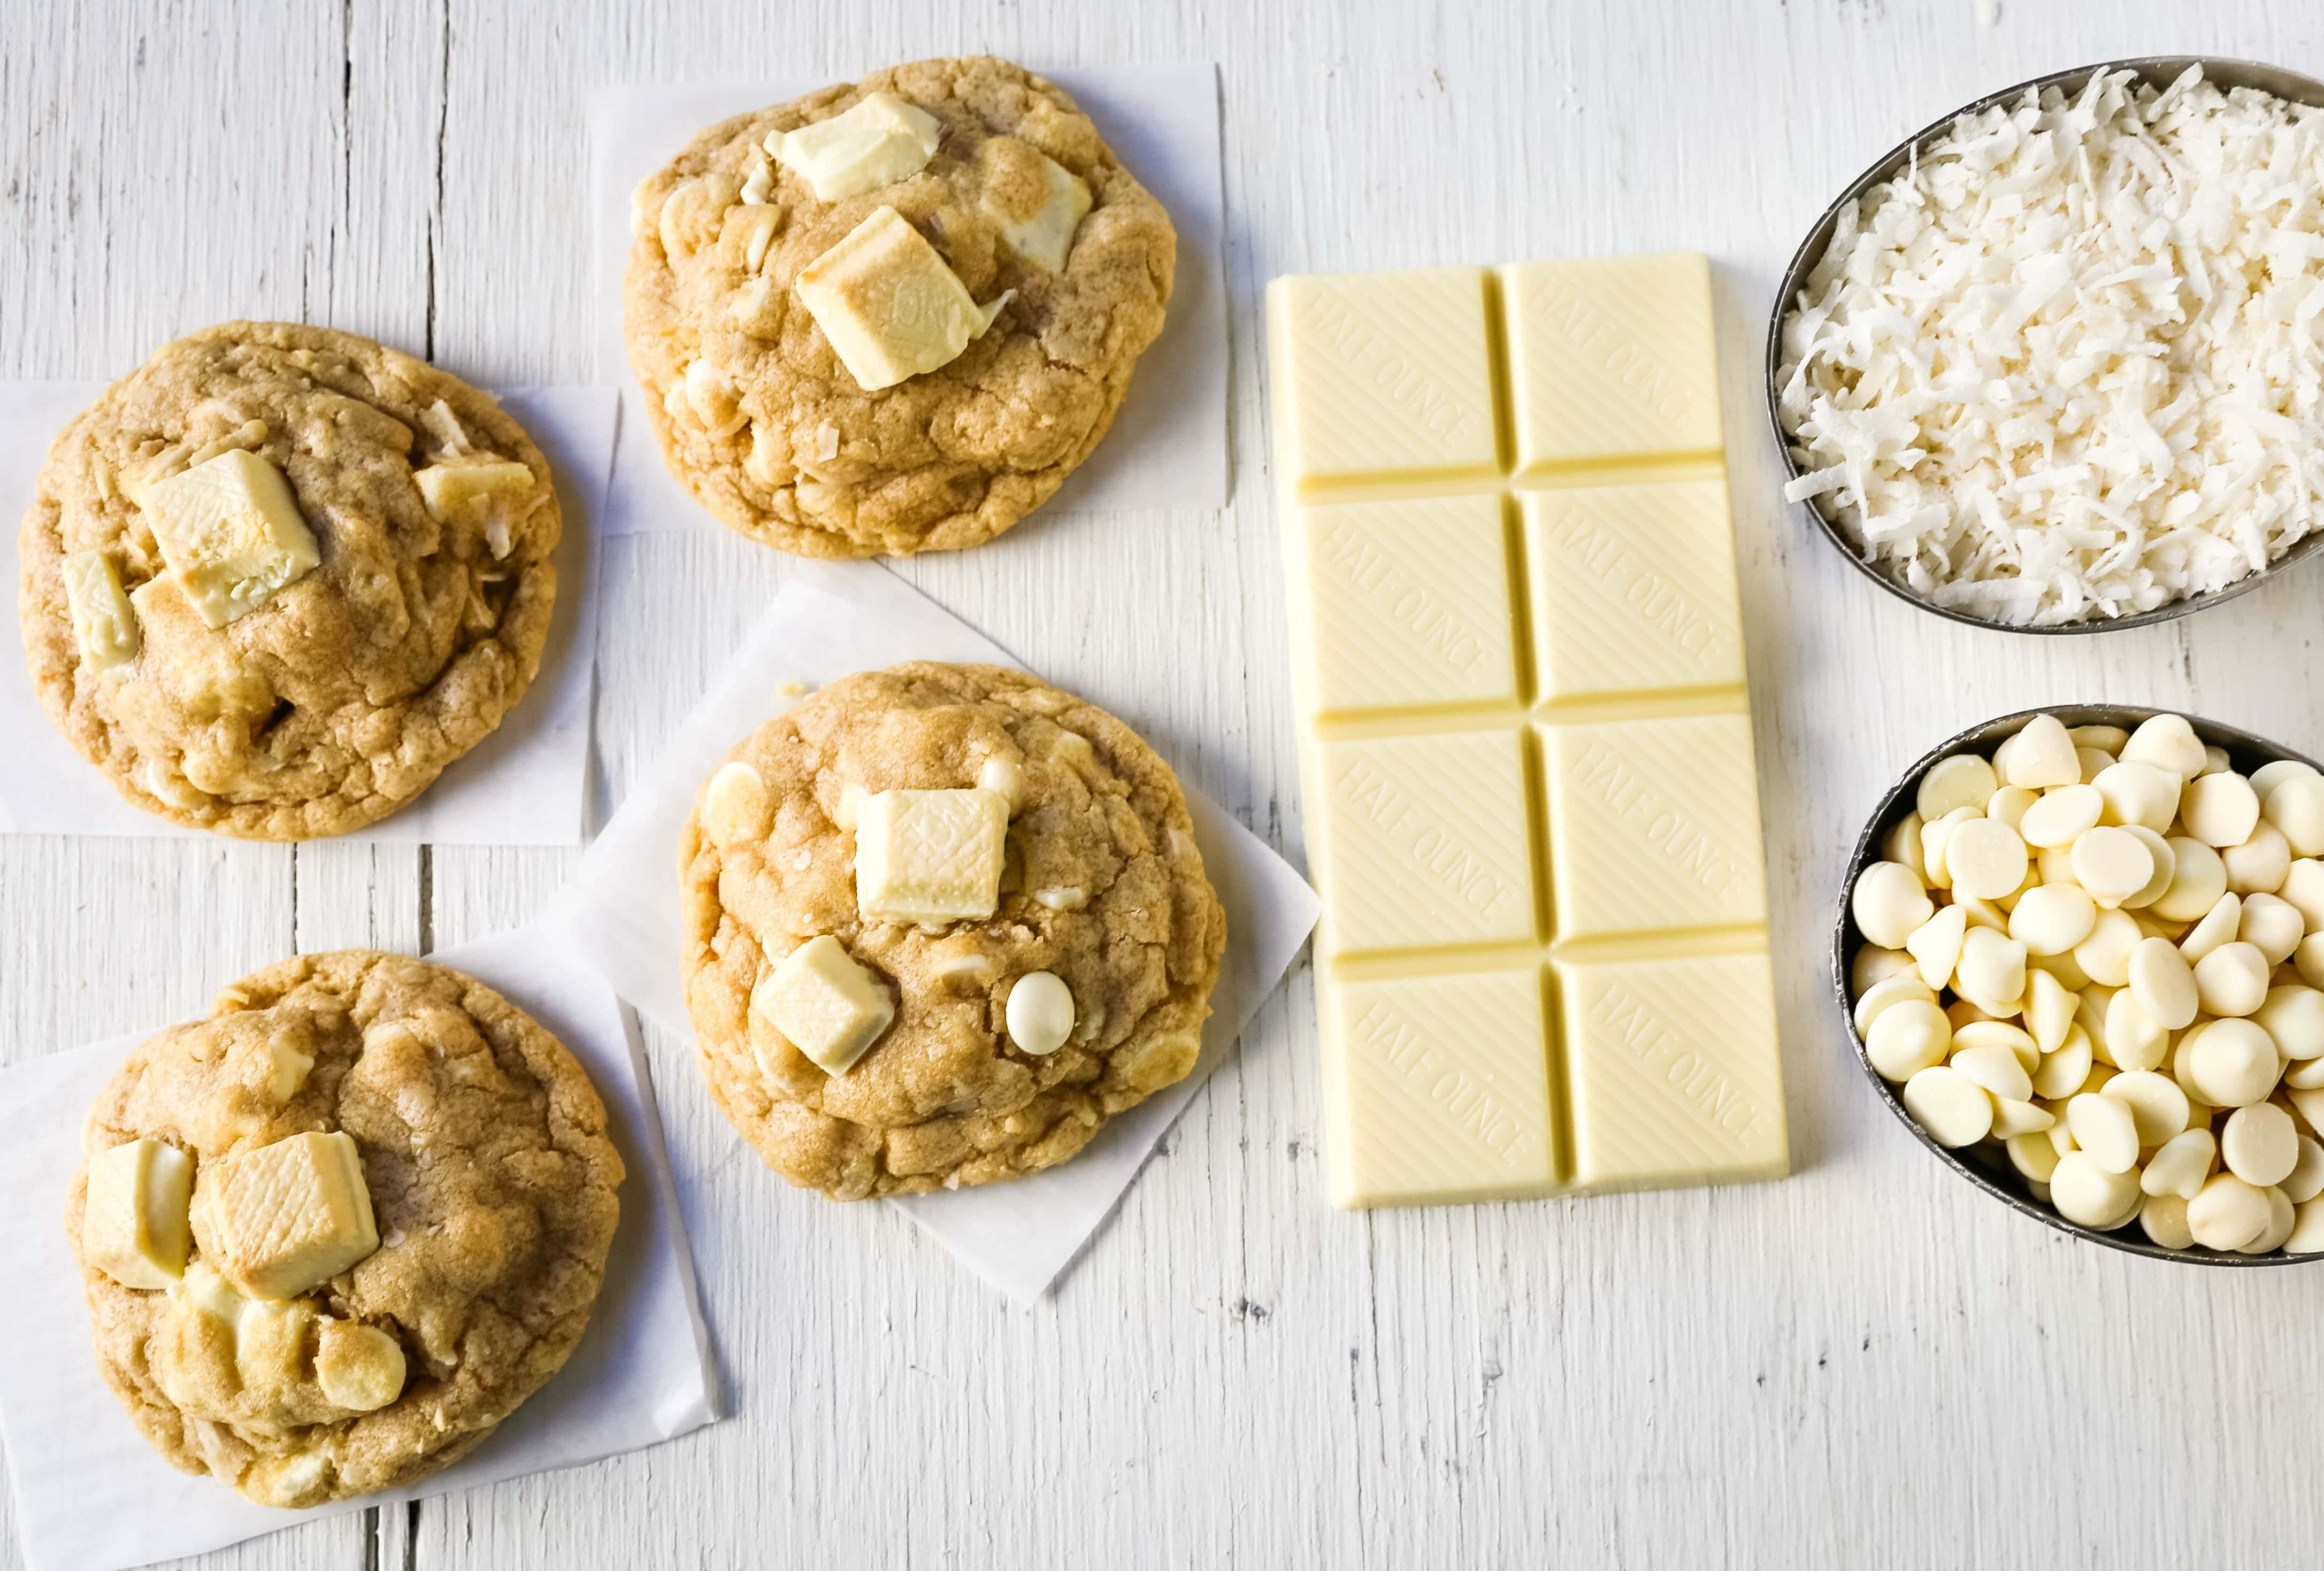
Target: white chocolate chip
(2274, 927)
(2293, 1019)
(1872, 965)
(2050, 1007)
(2033, 1154)
(2196, 885)
(2158, 1108)
(2051, 919)
(1041, 1013)
(1953, 1108)
(2220, 810)
(1896, 990)
(1964, 780)
(2063, 1073)
(1907, 1037)
(2218, 926)
(2259, 1144)
(1005, 778)
(1888, 903)
(2164, 1219)
(1935, 945)
(2168, 742)
(2104, 1129)
(2020, 1044)
(2135, 793)
(2227, 1213)
(2135, 1039)
(2257, 866)
(2232, 980)
(734, 806)
(1997, 1068)
(2306, 1180)
(2104, 955)
(2164, 983)
(2042, 754)
(1991, 973)
(2093, 1195)
(2181, 1164)
(2233, 1063)
(2296, 808)
(2111, 864)
(1985, 858)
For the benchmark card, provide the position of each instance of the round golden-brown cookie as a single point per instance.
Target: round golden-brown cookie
(757, 415)
(344, 693)
(492, 1183)
(1100, 884)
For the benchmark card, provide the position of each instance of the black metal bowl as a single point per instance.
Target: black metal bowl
(1995, 1176)
(2159, 69)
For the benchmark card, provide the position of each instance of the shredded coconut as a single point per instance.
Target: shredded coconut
(2067, 365)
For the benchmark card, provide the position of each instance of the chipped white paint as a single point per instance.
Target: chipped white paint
(1866, 1364)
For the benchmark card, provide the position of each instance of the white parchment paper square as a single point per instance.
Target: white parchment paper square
(1168, 444)
(91, 1495)
(524, 785)
(831, 621)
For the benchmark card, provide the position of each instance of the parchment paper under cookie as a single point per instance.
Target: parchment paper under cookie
(524, 785)
(831, 620)
(91, 1495)
(1168, 444)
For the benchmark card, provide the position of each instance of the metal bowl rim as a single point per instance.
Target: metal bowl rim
(1819, 235)
(1984, 735)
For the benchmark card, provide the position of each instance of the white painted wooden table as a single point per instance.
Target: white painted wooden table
(1869, 1363)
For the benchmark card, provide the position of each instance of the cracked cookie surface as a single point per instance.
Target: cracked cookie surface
(491, 1178)
(1101, 887)
(754, 412)
(344, 695)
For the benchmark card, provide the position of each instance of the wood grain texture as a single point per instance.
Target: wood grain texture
(1866, 1364)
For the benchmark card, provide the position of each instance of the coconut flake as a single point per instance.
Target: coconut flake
(2068, 365)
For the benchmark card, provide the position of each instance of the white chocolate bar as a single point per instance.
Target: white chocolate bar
(1531, 807)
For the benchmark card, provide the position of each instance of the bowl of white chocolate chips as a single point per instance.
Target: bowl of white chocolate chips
(2081, 953)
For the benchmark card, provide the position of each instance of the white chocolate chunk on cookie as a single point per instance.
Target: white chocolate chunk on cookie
(212, 1323)
(288, 1066)
(133, 1225)
(285, 1218)
(888, 303)
(103, 624)
(825, 1004)
(876, 141)
(1044, 236)
(359, 1367)
(488, 494)
(231, 533)
(1041, 1013)
(930, 857)
(203, 672)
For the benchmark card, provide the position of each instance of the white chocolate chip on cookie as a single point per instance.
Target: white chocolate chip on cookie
(1041, 1013)
(735, 807)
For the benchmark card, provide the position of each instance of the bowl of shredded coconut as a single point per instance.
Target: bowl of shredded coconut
(2056, 364)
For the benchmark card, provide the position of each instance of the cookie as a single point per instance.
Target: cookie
(277, 578)
(335, 1233)
(942, 922)
(892, 317)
